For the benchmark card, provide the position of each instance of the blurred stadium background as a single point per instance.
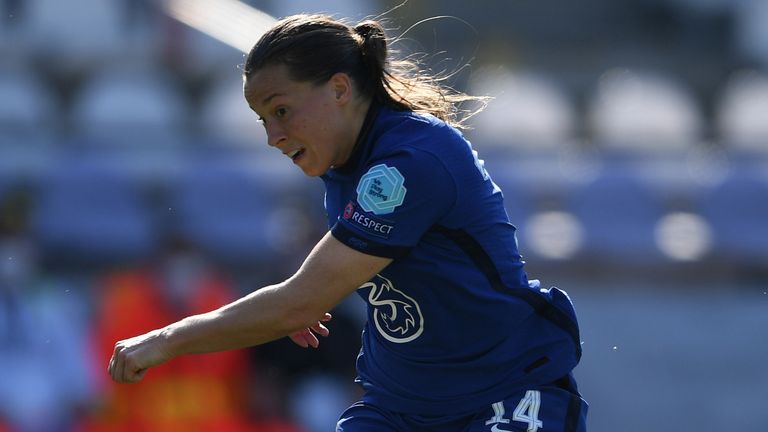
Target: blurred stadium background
(630, 139)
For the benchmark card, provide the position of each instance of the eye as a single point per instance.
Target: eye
(281, 112)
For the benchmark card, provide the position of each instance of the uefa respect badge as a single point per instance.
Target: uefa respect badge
(381, 190)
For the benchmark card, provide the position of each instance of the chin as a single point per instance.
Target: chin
(313, 169)
(313, 172)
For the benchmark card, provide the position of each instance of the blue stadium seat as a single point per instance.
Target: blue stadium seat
(530, 116)
(77, 35)
(134, 118)
(741, 113)
(130, 105)
(230, 205)
(90, 214)
(226, 117)
(737, 210)
(29, 117)
(618, 213)
(548, 232)
(643, 115)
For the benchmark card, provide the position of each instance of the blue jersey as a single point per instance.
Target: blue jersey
(453, 322)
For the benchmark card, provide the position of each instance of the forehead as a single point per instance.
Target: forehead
(269, 82)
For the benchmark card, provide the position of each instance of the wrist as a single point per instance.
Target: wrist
(171, 339)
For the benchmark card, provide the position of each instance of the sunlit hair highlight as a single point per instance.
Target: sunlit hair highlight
(315, 47)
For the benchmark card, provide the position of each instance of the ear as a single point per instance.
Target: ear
(342, 88)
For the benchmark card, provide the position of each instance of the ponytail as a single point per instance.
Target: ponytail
(314, 47)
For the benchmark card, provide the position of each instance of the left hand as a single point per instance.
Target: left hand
(306, 337)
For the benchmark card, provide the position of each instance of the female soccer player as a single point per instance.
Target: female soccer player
(457, 338)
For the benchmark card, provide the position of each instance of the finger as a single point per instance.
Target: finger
(327, 317)
(113, 370)
(309, 339)
(298, 339)
(113, 360)
(133, 372)
(111, 365)
(140, 374)
(312, 339)
(120, 368)
(321, 330)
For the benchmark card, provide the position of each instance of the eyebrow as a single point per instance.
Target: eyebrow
(270, 97)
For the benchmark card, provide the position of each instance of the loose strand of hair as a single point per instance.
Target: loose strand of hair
(411, 86)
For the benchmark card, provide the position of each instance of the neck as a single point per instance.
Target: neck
(357, 119)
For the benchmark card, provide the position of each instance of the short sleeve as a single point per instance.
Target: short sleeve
(395, 201)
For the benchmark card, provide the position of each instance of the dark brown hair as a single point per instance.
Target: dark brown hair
(314, 47)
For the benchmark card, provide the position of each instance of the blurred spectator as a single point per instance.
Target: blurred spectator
(320, 382)
(45, 369)
(206, 392)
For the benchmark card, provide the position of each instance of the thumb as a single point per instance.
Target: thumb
(137, 375)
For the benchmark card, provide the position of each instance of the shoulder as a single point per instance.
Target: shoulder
(411, 161)
(424, 136)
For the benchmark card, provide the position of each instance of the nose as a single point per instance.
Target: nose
(275, 135)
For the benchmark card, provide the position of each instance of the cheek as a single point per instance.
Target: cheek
(318, 127)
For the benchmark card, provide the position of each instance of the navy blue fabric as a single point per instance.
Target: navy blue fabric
(454, 324)
(559, 408)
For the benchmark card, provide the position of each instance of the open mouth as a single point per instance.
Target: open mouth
(295, 155)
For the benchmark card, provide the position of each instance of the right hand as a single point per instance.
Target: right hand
(133, 357)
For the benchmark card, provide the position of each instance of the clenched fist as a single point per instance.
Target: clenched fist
(133, 357)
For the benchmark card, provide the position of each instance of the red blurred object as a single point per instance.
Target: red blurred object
(207, 392)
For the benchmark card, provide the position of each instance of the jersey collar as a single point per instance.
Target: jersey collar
(363, 144)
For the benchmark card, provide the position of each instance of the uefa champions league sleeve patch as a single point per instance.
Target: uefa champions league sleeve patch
(381, 190)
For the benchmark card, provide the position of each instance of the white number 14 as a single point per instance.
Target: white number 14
(527, 411)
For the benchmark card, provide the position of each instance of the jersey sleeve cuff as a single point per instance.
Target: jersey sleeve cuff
(367, 246)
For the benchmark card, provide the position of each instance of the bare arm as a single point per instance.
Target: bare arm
(331, 272)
